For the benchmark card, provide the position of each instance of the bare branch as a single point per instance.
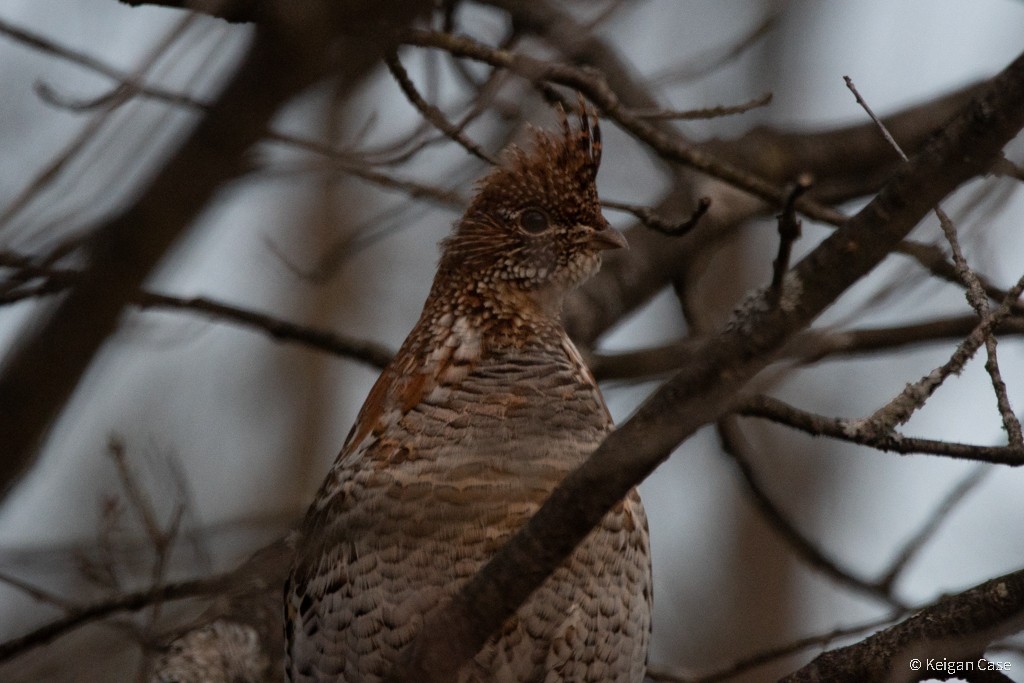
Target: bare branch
(650, 218)
(35, 592)
(789, 232)
(367, 352)
(594, 85)
(959, 626)
(770, 655)
(975, 292)
(927, 531)
(979, 301)
(431, 113)
(45, 45)
(808, 347)
(736, 446)
(885, 131)
(46, 364)
(234, 11)
(705, 113)
(57, 280)
(126, 602)
(56, 166)
(716, 58)
(901, 408)
(892, 441)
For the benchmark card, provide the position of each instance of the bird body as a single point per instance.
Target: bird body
(484, 410)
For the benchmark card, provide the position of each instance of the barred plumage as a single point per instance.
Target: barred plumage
(483, 411)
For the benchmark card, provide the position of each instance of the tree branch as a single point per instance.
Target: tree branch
(837, 428)
(44, 368)
(957, 627)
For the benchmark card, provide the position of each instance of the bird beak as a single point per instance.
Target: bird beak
(608, 238)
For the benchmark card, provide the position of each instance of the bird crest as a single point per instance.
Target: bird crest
(563, 163)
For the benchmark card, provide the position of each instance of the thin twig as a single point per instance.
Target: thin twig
(161, 539)
(717, 57)
(595, 86)
(58, 163)
(431, 113)
(365, 351)
(735, 445)
(127, 602)
(979, 302)
(935, 261)
(134, 491)
(704, 113)
(789, 232)
(744, 664)
(124, 79)
(853, 431)
(652, 220)
(811, 346)
(975, 296)
(127, 87)
(59, 279)
(35, 592)
(878, 121)
(942, 512)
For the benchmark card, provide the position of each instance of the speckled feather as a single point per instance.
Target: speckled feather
(485, 408)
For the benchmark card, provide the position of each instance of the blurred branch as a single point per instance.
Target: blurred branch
(234, 11)
(810, 346)
(124, 79)
(1005, 167)
(127, 602)
(705, 113)
(846, 163)
(367, 352)
(246, 598)
(161, 539)
(959, 626)
(779, 155)
(650, 218)
(933, 259)
(701, 393)
(128, 87)
(35, 592)
(768, 656)
(942, 511)
(595, 86)
(716, 58)
(737, 447)
(58, 163)
(431, 113)
(47, 362)
(57, 280)
(249, 608)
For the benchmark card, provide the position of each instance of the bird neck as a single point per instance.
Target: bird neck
(501, 312)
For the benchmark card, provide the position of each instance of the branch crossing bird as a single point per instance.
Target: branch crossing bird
(483, 411)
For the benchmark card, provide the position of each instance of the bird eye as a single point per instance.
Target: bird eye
(533, 221)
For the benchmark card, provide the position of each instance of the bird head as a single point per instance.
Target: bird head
(534, 226)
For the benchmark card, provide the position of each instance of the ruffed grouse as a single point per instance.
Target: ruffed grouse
(483, 411)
